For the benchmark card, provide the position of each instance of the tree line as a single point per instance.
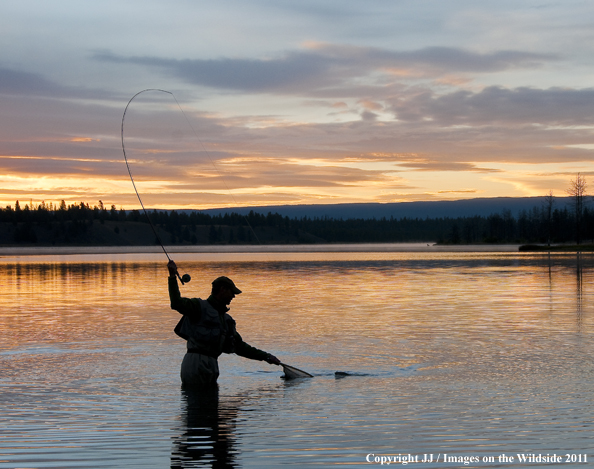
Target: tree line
(542, 224)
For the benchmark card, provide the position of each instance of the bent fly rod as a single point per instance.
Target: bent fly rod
(186, 277)
(290, 371)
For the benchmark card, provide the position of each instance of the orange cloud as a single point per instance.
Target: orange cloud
(403, 72)
(84, 139)
(452, 80)
(371, 105)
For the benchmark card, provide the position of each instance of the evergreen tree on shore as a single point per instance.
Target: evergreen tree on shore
(545, 224)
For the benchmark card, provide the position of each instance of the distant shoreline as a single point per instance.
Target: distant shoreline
(22, 251)
(17, 251)
(557, 248)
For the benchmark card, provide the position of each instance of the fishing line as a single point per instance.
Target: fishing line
(290, 372)
(186, 277)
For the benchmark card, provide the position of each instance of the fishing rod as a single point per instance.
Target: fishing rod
(290, 371)
(186, 277)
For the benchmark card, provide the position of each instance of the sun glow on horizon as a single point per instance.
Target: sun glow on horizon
(453, 102)
(391, 184)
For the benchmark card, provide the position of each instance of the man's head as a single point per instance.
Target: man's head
(224, 289)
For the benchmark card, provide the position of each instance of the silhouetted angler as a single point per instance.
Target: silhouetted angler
(209, 331)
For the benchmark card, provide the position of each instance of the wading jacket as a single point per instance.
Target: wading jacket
(207, 326)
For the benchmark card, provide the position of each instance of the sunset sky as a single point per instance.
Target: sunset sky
(293, 102)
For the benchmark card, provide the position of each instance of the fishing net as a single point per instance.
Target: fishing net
(292, 373)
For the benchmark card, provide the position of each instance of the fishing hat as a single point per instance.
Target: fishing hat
(227, 281)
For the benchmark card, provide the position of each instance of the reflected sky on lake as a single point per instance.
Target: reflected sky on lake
(466, 353)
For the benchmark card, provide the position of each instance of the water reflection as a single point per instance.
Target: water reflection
(208, 425)
(579, 288)
(493, 356)
(209, 436)
(578, 272)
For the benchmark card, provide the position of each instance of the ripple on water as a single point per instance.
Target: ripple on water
(469, 355)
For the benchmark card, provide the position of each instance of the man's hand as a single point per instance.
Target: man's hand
(272, 360)
(172, 269)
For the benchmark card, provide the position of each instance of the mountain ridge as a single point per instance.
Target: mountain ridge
(415, 209)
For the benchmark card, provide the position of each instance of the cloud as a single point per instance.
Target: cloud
(469, 133)
(321, 66)
(553, 106)
(14, 82)
(437, 165)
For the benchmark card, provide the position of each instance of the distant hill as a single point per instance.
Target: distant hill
(449, 208)
(490, 221)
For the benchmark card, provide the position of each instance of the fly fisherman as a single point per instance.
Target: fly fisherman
(209, 331)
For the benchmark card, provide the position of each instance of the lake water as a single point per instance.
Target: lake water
(472, 357)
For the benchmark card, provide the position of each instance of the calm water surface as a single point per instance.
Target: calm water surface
(472, 355)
